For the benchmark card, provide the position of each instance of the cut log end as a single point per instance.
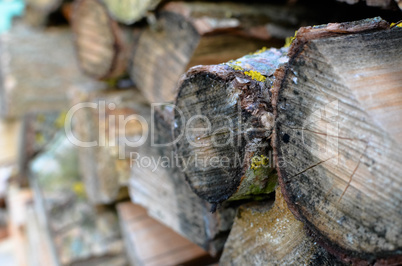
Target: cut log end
(223, 121)
(336, 142)
(98, 40)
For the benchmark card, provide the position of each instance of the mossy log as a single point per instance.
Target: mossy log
(130, 11)
(149, 242)
(266, 232)
(186, 34)
(158, 184)
(338, 137)
(103, 46)
(223, 124)
(104, 167)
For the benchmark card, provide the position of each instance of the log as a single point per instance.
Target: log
(338, 137)
(104, 170)
(189, 34)
(130, 11)
(149, 242)
(266, 232)
(64, 211)
(103, 46)
(157, 183)
(223, 123)
(44, 87)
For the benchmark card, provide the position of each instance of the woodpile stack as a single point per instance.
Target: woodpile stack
(205, 133)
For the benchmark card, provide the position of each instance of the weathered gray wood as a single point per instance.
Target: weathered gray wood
(338, 107)
(158, 184)
(267, 233)
(229, 157)
(104, 171)
(79, 233)
(37, 68)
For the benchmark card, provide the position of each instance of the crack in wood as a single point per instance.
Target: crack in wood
(354, 171)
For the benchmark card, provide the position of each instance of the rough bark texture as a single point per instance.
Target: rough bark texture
(37, 68)
(223, 123)
(79, 233)
(160, 187)
(149, 242)
(189, 34)
(267, 233)
(130, 11)
(105, 168)
(338, 137)
(103, 47)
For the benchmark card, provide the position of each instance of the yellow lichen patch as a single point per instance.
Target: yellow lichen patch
(398, 24)
(40, 118)
(39, 138)
(59, 123)
(234, 64)
(255, 75)
(79, 189)
(259, 161)
(236, 67)
(263, 49)
(289, 40)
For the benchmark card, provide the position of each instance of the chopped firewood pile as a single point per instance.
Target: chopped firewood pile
(201, 133)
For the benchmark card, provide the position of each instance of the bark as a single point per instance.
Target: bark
(188, 34)
(103, 46)
(149, 242)
(267, 233)
(337, 140)
(158, 184)
(223, 123)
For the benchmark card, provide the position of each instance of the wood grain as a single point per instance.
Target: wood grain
(338, 137)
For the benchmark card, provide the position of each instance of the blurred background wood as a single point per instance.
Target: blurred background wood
(104, 169)
(103, 46)
(34, 76)
(148, 242)
(162, 190)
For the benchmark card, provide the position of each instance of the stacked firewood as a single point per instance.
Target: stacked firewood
(205, 132)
